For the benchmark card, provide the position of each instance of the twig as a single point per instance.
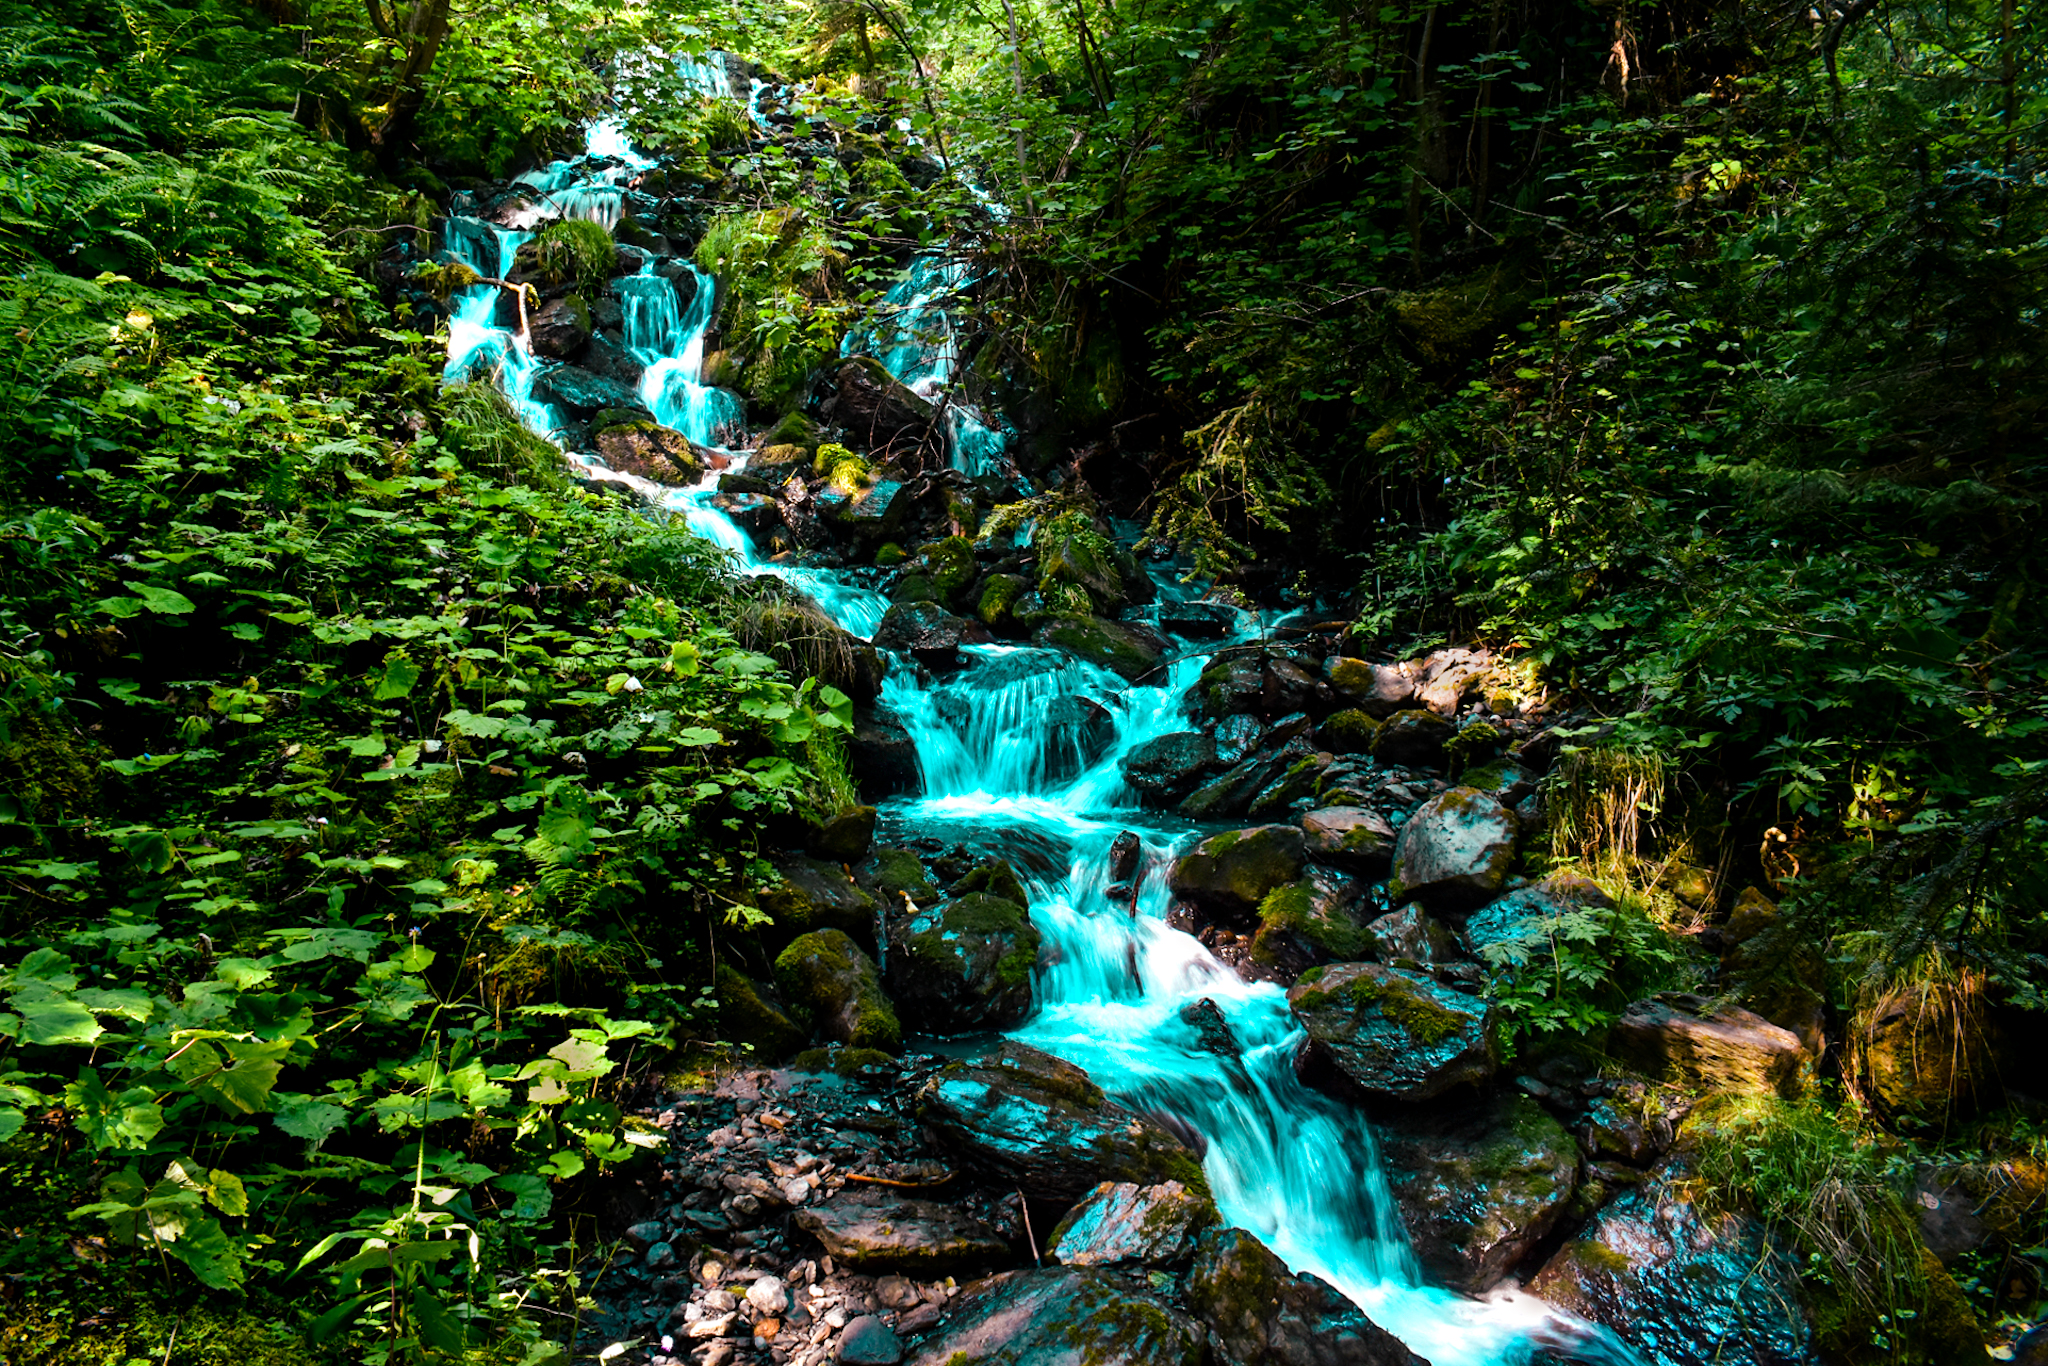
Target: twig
(900, 1185)
(1024, 1208)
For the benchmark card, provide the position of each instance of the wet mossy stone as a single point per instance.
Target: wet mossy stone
(1119, 1223)
(560, 328)
(890, 555)
(747, 1016)
(1260, 1314)
(928, 633)
(793, 429)
(777, 463)
(1411, 938)
(1350, 731)
(815, 894)
(1130, 652)
(844, 836)
(1034, 1122)
(1479, 1186)
(1413, 739)
(997, 878)
(1230, 687)
(826, 974)
(1379, 690)
(1393, 1032)
(964, 966)
(1230, 874)
(649, 451)
(1072, 552)
(1504, 780)
(840, 1061)
(1679, 1286)
(999, 595)
(1166, 768)
(881, 1231)
(1349, 837)
(1455, 851)
(893, 874)
(1317, 918)
(1061, 1316)
(916, 587)
(949, 564)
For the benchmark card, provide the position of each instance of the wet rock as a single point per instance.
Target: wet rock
(1511, 919)
(965, 965)
(1124, 852)
(1350, 731)
(1119, 1222)
(1348, 836)
(1679, 1287)
(1166, 768)
(1314, 919)
(1260, 1315)
(754, 513)
(1070, 553)
(1287, 687)
(649, 451)
(1615, 1130)
(1131, 652)
(1064, 1316)
(1479, 1187)
(882, 1230)
(995, 877)
(1231, 873)
(1233, 792)
(815, 894)
(747, 1015)
(998, 602)
(1394, 1032)
(560, 328)
(879, 512)
(1237, 737)
(1379, 690)
(1444, 677)
(826, 973)
(882, 756)
(928, 633)
(844, 836)
(1506, 781)
(1198, 620)
(1038, 1123)
(892, 874)
(1411, 938)
(1212, 1031)
(1412, 739)
(1455, 851)
(1290, 790)
(1230, 687)
(580, 392)
(1078, 732)
(877, 409)
(1690, 1038)
(867, 1341)
(607, 356)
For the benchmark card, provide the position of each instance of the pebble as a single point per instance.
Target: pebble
(835, 1318)
(796, 1191)
(896, 1292)
(768, 1296)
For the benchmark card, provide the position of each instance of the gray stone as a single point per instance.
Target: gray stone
(867, 1341)
(1349, 836)
(1231, 873)
(1455, 851)
(560, 328)
(1411, 938)
(1690, 1038)
(1413, 738)
(581, 392)
(1166, 768)
(1379, 690)
(1394, 1032)
(880, 1230)
(928, 633)
(1061, 1316)
(1119, 1222)
(1260, 1315)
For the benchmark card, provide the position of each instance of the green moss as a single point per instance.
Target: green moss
(1293, 908)
(950, 563)
(995, 877)
(890, 555)
(575, 249)
(998, 597)
(793, 429)
(916, 588)
(444, 279)
(746, 1017)
(843, 470)
(1066, 599)
(1401, 1003)
(841, 1061)
(1350, 731)
(1601, 1257)
(1473, 742)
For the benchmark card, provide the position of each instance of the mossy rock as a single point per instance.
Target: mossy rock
(1314, 919)
(966, 965)
(890, 555)
(1396, 1033)
(1231, 874)
(892, 874)
(747, 1016)
(826, 974)
(1350, 731)
(917, 588)
(777, 463)
(949, 563)
(999, 595)
(997, 878)
(837, 1060)
(1124, 650)
(815, 894)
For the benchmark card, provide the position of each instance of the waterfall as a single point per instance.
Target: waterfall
(1019, 755)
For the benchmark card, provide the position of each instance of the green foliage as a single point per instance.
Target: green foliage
(578, 250)
(1577, 967)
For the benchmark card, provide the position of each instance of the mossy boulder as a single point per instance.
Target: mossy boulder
(1504, 780)
(1479, 1187)
(1230, 687)
(881, 1231)
(1680, 1286)
(1260, 1314)
(793, 429)
(1350, 731)
(1349, 837)
(928, 633)
(892, 874)
(876, 408)
(1061, 1316)
(1166, 768)
(1393, 1032)
(816, 895)
(964, 966)
(949, 563)
(996, 878)
(889, 555)
(1411, 938)
(838, 1060)
(1231, 874)
(777, 463)
(1694, 1039)
(1030, 1121)
(1455, 851)
(1074, 552)
(1414, 738)
(1131, 652)
(825, 974)
(1314, 919)
(749, 1017)
(1119, 1223)
(999, 594)
(560, 328)
(649, 451)
(1379, 690)
(843, 836)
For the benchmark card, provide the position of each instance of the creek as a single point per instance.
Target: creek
(1296, 1167)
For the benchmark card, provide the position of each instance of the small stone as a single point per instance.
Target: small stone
(711, 1327)
(720, 1301)
(766, 1329)
(643, 1236)
(768, 1296)
(660, 1257)
(835, 1318)
(896, 1292)
(796, 1190)
(870, 1342)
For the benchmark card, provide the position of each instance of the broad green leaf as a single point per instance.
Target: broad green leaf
(224, 1190)
(165, 600)
(312, 1121)
(531, 1198)
(57, 1022)
(400, 673)
(11, 1121)
(207, 1253)
(438, 1328)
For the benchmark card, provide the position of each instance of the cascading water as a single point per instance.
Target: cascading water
(1005, 774)
(912, 335)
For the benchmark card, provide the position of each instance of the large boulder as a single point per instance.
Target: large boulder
(580, 392)
(1075, 554)
(1443, 677)
(1455, 851)
(1037, 1123)
(1348, 836)
(928, 633)
(747, 1015)
(1230, 687)
(1166, 768)
(560, 328)
(1414, 739)
(1680, 1287)
(878, 411)
(826, 974)
(1061, 1316)
(816, 895)
(1231, 874)
(1691, 1038)
(1122, 1223)
(1130, 652)
(882, 756)
(1411, 938)
(1260, 1314)
(1927, 1055)
(877, 1231)
(1379, 690)
(1394, 1032)
(1479, 1186)
(965, 965)
(1317, 918)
